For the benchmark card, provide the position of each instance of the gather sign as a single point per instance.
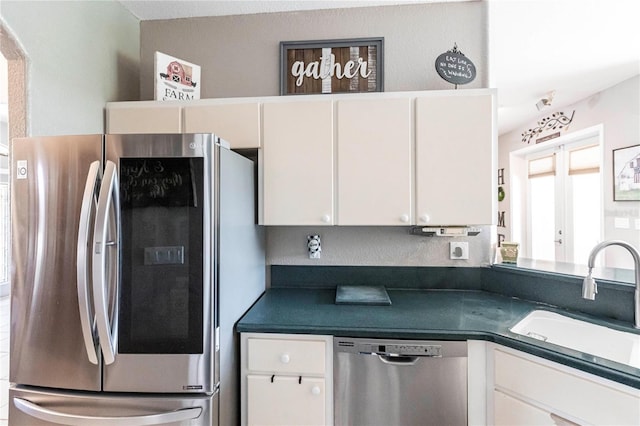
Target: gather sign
(335, 66)
(329, 68)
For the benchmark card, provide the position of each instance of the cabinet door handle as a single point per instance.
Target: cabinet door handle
(561, 421)
(315, 390)
(404, 218)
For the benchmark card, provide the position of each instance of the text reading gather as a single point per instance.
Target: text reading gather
(328, 67)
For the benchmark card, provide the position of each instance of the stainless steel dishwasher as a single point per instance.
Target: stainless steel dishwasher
(399, 382)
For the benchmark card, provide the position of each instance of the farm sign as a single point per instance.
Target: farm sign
(175, 79)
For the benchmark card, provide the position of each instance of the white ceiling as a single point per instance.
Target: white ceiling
(574, 47)
(171, 9)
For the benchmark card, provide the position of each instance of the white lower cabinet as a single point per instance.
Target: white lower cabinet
(286, 379)
(510, 411)
(531, 391)
(285, 400)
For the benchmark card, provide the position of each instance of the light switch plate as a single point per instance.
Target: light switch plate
(459, 250)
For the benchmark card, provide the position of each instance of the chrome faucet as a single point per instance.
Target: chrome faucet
(589, 286)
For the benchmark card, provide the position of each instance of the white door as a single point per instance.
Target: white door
(374, 162)
(298, 163)
(564, 201)
(285, 400)
(455, 153)
(509, 411)
(236, 122)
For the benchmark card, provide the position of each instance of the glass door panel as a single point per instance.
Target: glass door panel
(162, 214)
(585, 207)
(542, 217)
(565, 209)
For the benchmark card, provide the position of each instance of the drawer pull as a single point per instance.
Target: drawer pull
(561, 421)
(285, 358)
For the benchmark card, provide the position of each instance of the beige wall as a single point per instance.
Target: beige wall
(239, 55)
(373, 246)
(71, 77)
(80, 54)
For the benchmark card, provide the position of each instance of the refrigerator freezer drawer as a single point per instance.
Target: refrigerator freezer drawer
(34, 407)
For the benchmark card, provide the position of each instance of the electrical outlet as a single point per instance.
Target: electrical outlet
(313, 246)
(459, 250)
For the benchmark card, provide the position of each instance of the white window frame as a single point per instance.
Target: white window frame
(518, 184)
(5, 213)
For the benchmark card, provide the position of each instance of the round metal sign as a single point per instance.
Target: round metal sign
(455, 68)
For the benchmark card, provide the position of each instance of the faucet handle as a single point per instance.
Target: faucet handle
(589, 288)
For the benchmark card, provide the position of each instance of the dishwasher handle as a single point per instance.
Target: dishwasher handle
(400, 360)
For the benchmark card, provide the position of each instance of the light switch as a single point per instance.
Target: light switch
(621, 222)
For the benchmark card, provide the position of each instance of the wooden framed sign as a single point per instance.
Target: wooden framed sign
(332, 66)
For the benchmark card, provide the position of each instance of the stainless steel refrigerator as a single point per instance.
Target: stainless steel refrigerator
(133, 257)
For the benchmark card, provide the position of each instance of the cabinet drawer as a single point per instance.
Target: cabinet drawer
(286, 356)
(567, 393)
(285, 401)
(512, 412)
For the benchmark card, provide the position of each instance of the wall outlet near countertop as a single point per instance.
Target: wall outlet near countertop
(314, 246)
(459, 250)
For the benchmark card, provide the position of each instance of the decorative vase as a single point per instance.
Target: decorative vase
(509, 252)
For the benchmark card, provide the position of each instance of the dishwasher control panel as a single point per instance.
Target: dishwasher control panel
(403, 350)
(409, 348)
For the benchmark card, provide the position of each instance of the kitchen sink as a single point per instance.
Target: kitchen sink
(581, 336)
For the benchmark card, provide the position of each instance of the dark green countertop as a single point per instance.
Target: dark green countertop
(425, 314)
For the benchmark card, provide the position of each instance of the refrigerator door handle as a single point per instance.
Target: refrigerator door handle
(53, 416)
(82, 263)
(108, 199)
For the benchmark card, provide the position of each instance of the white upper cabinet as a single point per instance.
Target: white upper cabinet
(143, 117)
(374, 159)
(236, 123)
(297, 163)
(374, 140)
(455, 159)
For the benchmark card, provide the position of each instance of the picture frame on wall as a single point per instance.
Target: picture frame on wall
(332, 66)
(626, 173)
